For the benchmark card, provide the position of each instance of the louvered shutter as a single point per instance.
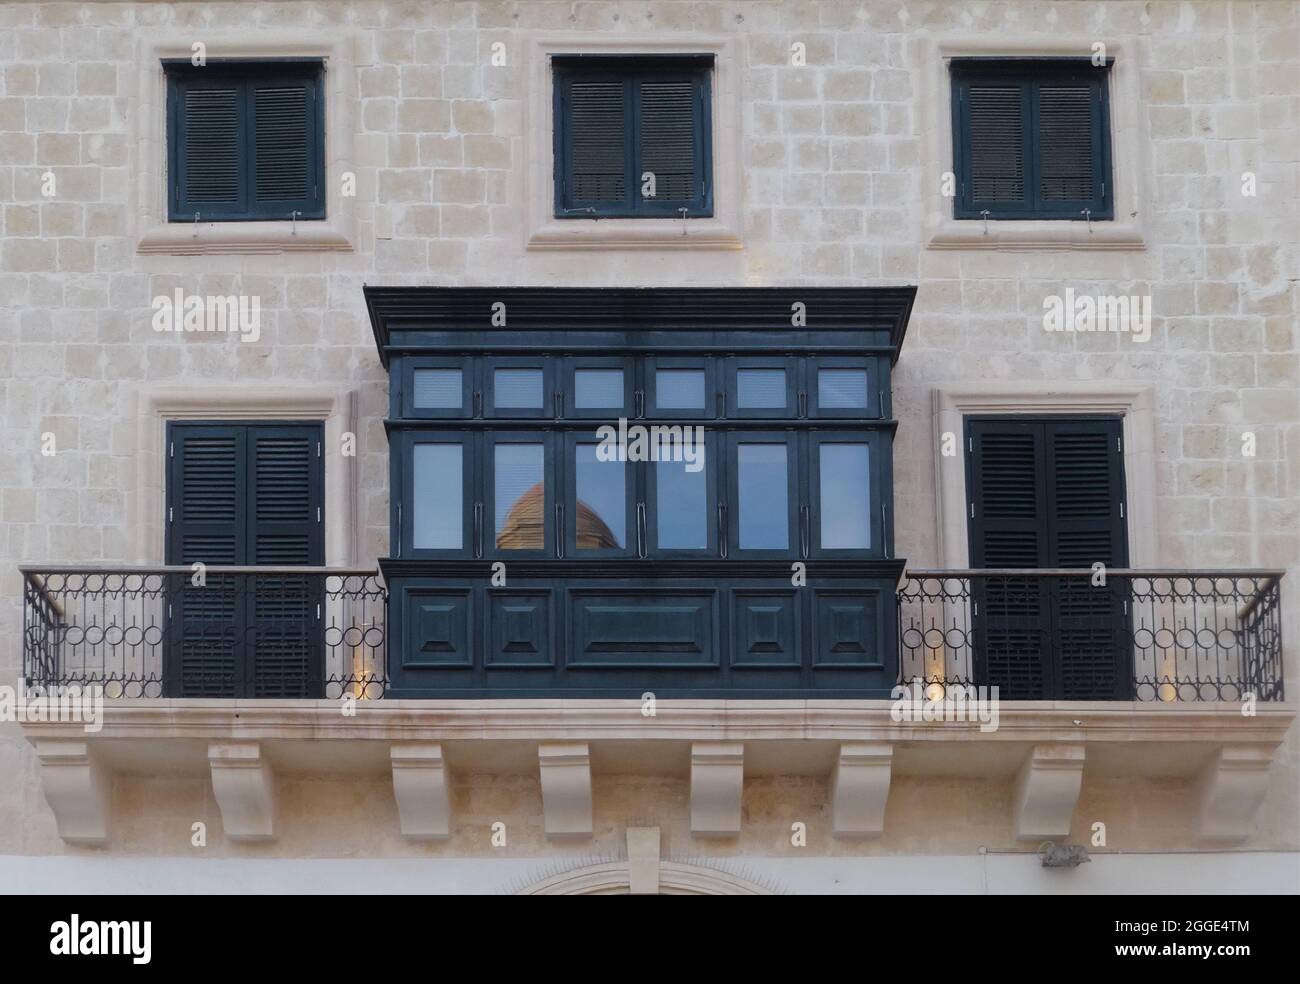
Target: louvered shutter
(246, 141)
(667, 125)
(997, 144)
(210, 149)
(284, 141)
(617, 122)
(597, 113)
(1048, 493)
(1009, 530)
(285, 488)
(1085, 488)
(245, 496)
(1031, 139)
(1069, 144)
(207, 525)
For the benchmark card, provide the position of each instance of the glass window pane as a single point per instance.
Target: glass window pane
(679, 389)
(842, 389)
(601, 488)
(439, 389)
(845, 496)
(683, 519)
(598, 388)
(760, 388)
(437, 471)
(761, 471)
(520, 494)
(517, 389)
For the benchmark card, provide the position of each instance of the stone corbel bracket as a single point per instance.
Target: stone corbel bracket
(860, 788)
(420, 786)
(1047, 790)
(566, 788)
(77, 789)
(717, 784)
(1229, 791)
(244, 786)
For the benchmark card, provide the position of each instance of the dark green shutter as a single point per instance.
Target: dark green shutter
(1067, 142)
(997, 135)
(617, 120)
(246, 496)
(246, 141)
(666, 125)
(1048, 493)
(1031, 139)
(597, 123)
(284, 124)
(211, 177)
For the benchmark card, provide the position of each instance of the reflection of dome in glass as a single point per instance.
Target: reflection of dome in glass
(525, 525)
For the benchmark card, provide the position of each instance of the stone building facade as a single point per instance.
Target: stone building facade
(832, 139)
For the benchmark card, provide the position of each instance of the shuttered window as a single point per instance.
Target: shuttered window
(1049, 493)
(632, 136)
(1031, 139)
(243, 496)
(245, 141)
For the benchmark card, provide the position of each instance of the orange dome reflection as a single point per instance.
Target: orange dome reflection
(525, 525)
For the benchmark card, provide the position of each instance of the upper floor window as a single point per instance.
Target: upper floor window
(245, 141)
(633, 136)
(1031, 139)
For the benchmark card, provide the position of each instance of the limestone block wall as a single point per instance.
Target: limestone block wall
(837, 181)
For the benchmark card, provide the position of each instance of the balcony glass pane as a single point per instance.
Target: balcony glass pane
(845, 497)
(842, 389)
(520, 494)
(601, 488)
(438, 471)
(517, 389)
(758, 389)
(683, 520)
(679, 389)
(438, 389)
(595, 389)
(762, 471)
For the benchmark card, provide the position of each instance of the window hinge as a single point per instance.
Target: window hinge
(970, 445)
(880, 398)
(318, 449)
(318, 612)
(1121, 510)
(1119, 445)
(972, 510)
(318, 514)
(399, 529)
(171, 450)
(170, 515)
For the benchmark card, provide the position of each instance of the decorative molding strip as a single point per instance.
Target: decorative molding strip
(566, 788)
(717, 784)
(694, 720)
(77, 789)
(860, 788)
(1229, 791)
(1047, 790)
(245, 790)
(420, 786)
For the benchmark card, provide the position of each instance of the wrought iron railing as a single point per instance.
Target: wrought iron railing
(206, 632)
(320, 632)
(1147, 635)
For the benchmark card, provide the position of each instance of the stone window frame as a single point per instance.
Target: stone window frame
(335, 407)
(155, 234)
(543, 231)
(1127, 231)
(1134, 403)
